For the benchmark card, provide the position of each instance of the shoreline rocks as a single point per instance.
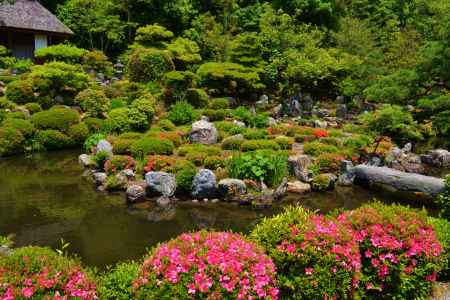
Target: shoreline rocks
(162, 183)
(204, 184)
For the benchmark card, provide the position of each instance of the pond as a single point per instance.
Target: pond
(44, 199)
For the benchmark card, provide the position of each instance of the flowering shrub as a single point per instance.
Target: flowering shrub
(329, 162)
(118, 163)
(207, 265)
(159, 162)
(320, 133)
(399, 251)
(375, 252)
(318, 258)
(40, 273)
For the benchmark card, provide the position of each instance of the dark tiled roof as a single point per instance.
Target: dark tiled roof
(30, 15)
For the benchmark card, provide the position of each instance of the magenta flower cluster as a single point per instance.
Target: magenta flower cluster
(211, 265)
(377, 249)
(49, 283)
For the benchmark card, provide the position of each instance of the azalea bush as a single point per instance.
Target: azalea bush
(207, 265)
(375, 252)
(400, 253)
(40, 273)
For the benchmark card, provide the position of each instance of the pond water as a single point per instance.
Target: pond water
(44, 199)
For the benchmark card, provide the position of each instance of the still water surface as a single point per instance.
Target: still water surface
(44, 198)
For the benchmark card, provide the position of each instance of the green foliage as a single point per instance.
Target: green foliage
(146, 65)
(33, 107)
(56, 118)
(214, 162)
(321, 183)
(91, 141)
(24, 126)
(443, 200)
(229, 78)
(61, 52)
(437, 108)
(184, 174)
(20, 91)
(153, 36)
(198, 148)
(197, 98)
(100, 158)
(97, 61)
(392, 121)
(254, 145)
(185, 52)
(182, 113)
(78, 133)
(232, 143)
(148, 145)
(11, 141)
(53, 139)
(267, 166)
(317, 148)
(93, 101)
(220, 103)
(177, 83)
(166, 125)
(117, 282)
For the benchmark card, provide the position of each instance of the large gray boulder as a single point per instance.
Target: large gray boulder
(299, 164)
(99, 178)
(204, 184)
(104, 146)
(203, 132)
(135, 193)
(231, 187)
(85, 161)
(437, 158)
(399, 181)
(161, 183)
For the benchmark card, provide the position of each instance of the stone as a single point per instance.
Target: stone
(85, 161)
(299, 165)
(5, 251)
(135, 193)
(239, 124)
(320, 124)
(307, 104)
(298, 187)
(104, 146)
(375, 161)
(346, 179)
(58, 100)
(161, 183)
(277, 111)
(399, 181)
(407, 148)
(230, 187)
(128, 173)
(262, 102)
(327, 180)
(23, 110)
(99, 178)
(163, 201)
(410, 163)
(340, 99)
(204, 184)
(281, 190)
(341, 111)
(203, 132)
(271, 121)
(346, 166)
(437, 158)
(295, 108)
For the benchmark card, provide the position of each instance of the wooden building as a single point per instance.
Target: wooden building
(26, 26)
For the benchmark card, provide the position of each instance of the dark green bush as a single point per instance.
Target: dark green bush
(61, 52)
(153, 35)
(118, 120)
(198, 148)
(55, 118)
(220, 103)
(214, 162)
(316, 148)
(94, 102)
(94, 124)
(184, 174)
(284, 142)
(147, 65)
(166, 125)
(215, 115)
(148, 145)
(232, 143)
(118, 103)
(53, 139)
(145, 105)
(197, 98)
(182, 113)
(255, 134)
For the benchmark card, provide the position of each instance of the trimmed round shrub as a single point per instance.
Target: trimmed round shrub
(159, 163)
(148, 145)
(255, 134)
(61, 52)
(55, 118)
(118, 120)
(329, 162)
(442, 229)
(284, 142)
(185, 172)
(197, 97)
(94, 124)
(117, 282)
(78, 133)
(215, 115)
(11, 141)
(232, 143)
(220, 103)
(253, 145)
(53, 139)
(317, 148)
(153, 35)
(182, 113)
(20, 91)
(196, 148)
(98, 61)
(317, 257)
(145, 64)
(40, 273)
(145, 105)
(166, 125)
(93, 101)
(214, 162)
(24, 126)
(400, 252)
(207, 265)
(33, 107)
(173, 136)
